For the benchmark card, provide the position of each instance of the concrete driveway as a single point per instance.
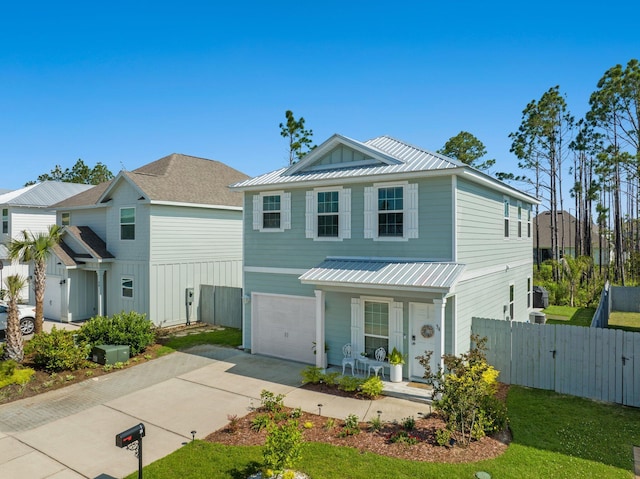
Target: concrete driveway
(70, 433)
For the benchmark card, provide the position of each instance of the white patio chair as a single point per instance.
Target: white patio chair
(348, 359)
(379, 364)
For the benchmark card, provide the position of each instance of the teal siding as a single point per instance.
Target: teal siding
(274, 249)
(480, 225)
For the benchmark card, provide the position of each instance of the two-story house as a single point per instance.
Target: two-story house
(29, 209)
(147, 241)
(380, 244)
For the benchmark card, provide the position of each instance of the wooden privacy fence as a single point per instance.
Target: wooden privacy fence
(594, 363)
(221, 305)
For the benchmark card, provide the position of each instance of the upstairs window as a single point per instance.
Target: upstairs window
(391, 211)
(272, 211)
(519, 220)
(506, 217)
(127, 223)
(5, 220)
(529, 222)
(65, 218)
(328, 214)
(529, 292)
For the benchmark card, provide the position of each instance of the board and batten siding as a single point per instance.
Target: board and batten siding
(194, 234)
(94, 218)
(480, 229)
(125, 196)
(139, 272)
(292, 249)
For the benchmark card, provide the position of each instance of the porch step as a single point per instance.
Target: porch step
(408, 390)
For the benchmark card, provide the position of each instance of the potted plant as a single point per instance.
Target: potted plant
(396, 360)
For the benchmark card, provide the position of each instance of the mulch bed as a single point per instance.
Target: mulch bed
(240, 433)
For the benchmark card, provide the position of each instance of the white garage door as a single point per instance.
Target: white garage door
(283, 326)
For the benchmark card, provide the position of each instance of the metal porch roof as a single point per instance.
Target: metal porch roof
(376, 272)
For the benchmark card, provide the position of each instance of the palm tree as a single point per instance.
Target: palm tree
(14, 347)
(36, 248)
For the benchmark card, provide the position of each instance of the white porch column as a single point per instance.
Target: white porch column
(320, 362)
(100, 274)
(440, 305)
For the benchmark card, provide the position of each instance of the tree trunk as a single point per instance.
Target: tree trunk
(40, 283)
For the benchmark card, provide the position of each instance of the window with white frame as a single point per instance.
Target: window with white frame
(127, 223)
(5, 220)
(506, 217)
(391, 211)
(512, 291)
(529, 222)
(529, 292)
(519, 219)
(65, 218)
(328, 214)
(272, 211)
(127, 288)
(376, 327)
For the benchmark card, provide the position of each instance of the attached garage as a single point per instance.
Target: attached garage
(283, 326)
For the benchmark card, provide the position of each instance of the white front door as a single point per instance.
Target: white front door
(423, 336)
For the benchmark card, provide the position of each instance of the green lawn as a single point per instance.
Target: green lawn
(554, 436)
(625, 321)
(569, 315)
(225, 337)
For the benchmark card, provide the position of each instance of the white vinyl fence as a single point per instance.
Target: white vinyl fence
(595, 363)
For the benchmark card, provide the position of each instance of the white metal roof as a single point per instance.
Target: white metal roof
(42, 194)
(409, 159)
(373, 272)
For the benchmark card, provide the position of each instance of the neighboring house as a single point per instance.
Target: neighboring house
(567, 228)
(147, 241)
(380, 244)
(29, 208)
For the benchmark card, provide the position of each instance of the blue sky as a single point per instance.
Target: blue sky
(126, 83)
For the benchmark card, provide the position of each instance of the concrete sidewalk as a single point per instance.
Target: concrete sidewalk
(70, 433)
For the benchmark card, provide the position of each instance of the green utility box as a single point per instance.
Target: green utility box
(109, 354)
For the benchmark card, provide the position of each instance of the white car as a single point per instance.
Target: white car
(27, 315)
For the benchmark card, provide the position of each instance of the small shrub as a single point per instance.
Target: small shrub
(443, 437)
(329, 424)
(403, 437)
(372, 387)
(312, 375)
(234, 423)
(260, 422)
(132, 329)
(331, 379)
(349, 383)
(296, 413)
(351, 426)
(57, 351)
(270, 402)
(283, 447)
(107, 368)
(88, 373)
(280, 416)
(120, 365)
(10, 374)
(308, 425)
(69, 377)
(375, 424)
(408, 423)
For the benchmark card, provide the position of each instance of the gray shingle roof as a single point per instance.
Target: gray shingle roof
(372, 272)
(42, 195)
(176, 178)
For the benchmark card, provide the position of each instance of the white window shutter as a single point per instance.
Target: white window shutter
(357, 326)
(411, 211)
(310, 217)
(285, 211)
(396, 333)
(257, 212)
(345, 213)
(369, 211)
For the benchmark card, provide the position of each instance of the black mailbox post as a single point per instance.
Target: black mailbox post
(132, 439)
